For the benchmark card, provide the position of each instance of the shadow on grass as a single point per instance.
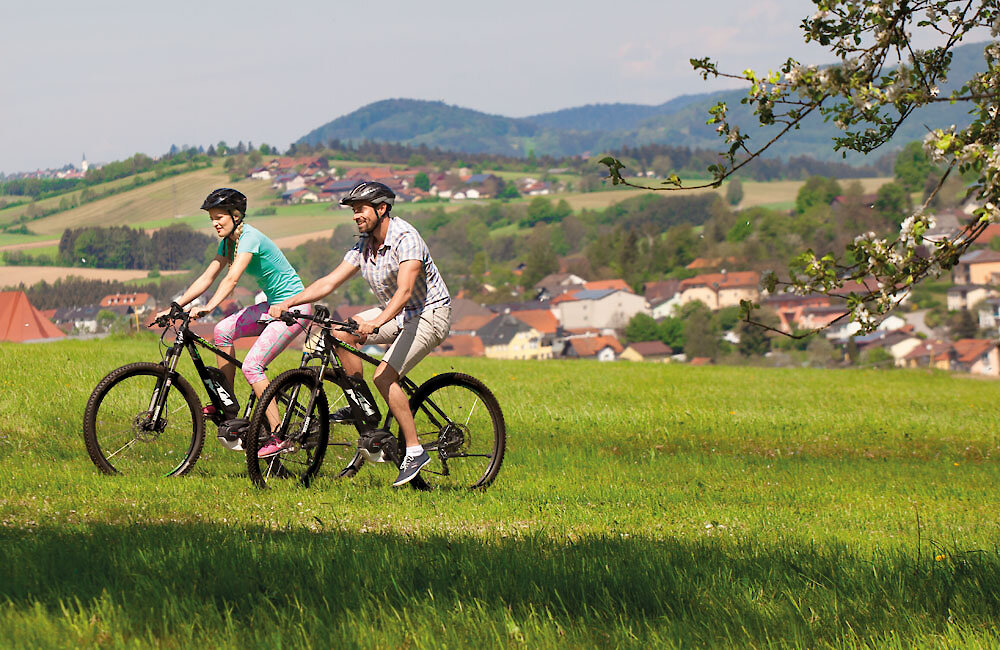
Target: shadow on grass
(705, 590)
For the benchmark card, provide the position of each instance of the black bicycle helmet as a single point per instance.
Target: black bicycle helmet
(226, 198)
(370, 192)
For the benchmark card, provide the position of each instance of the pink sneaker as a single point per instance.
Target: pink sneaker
(273, 447)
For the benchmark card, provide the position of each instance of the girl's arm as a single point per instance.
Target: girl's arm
(199, 286)
(236, 269)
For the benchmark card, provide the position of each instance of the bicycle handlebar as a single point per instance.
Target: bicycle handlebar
(350, 325)
(176, 313)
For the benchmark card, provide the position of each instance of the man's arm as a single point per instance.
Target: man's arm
(406, 280)
(318, 289)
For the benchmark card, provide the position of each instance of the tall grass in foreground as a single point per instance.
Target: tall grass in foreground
(638, 505)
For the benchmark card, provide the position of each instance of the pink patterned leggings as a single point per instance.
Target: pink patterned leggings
(272, 337)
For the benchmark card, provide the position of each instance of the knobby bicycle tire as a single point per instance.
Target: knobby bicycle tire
(126, 407)
(464, 432)
(304, 462)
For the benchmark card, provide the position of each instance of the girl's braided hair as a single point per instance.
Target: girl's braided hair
(230, 245)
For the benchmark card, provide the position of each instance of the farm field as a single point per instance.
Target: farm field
(639, 505)
(163, 200)
(11, 276)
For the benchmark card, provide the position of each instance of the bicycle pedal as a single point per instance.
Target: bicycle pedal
(378, 446)
(231, 433)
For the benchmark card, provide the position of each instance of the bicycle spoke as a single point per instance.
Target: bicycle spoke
(122, 448)
(120, 439)
(463, 430)
(472, 410)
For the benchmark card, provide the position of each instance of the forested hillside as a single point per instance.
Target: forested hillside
(607, 127)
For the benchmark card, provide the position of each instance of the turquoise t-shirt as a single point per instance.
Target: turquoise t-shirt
(274, 275)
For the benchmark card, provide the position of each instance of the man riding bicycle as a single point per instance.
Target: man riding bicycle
(414, 315)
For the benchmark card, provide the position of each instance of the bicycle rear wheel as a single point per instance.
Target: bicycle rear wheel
(460, 424)
(290, 393)
(118, 429)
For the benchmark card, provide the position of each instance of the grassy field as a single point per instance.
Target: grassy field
(639, 505)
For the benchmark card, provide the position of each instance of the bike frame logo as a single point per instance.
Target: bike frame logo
(223, 395)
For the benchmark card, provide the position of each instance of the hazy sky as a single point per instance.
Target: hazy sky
(113, 78)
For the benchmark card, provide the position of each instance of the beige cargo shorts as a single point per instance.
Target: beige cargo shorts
(413, 341)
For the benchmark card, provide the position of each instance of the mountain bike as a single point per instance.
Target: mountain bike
(146, 419)
(459, 421)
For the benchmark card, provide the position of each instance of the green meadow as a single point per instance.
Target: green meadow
(638, 505)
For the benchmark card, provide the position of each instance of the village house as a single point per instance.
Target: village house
(600, 348)
(656, 291)
(897, 342)
(930, 354)
(460, 345)
(989, 314)
(790, 308)
(21, 322)
(719, 290)
(705, 263)
(79, 319)
(978, 267)
(647, 351)
(506, 337)
(471, 324)
(556, 284)
(976, 356)
(966, 296)
(600, 308)
(140, 303)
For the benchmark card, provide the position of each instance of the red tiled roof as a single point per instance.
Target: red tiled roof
(968, 350)
(460, 345)
(588, 346)
(989, 233)
(472, 322)
(708, 263)
(563, 297)
(582, 331)
(369, 173)
(651, 348)
(723, 280)
(597, 285)
(701, 361)
(541, 319)
(19, 321)
(934, 349)
(124, 299)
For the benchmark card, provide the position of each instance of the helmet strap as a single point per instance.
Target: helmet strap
(236, 223)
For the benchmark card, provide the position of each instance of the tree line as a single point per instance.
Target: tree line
(120, 247)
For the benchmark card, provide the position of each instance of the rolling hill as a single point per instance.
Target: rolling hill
(599, 127)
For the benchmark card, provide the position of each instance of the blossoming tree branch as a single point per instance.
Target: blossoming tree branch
(880, 79)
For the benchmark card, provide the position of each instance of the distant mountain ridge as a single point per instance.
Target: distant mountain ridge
(594, 128)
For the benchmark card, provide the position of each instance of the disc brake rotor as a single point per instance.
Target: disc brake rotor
(143, 430)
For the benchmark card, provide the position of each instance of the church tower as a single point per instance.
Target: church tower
(84, 165)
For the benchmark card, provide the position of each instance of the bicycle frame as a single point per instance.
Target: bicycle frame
(335, 373)
(188, 340)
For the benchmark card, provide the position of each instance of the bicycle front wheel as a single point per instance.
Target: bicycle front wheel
(460, 424)
(118, 426)
(303, 434)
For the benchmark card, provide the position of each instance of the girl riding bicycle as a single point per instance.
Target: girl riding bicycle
(245, 249)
